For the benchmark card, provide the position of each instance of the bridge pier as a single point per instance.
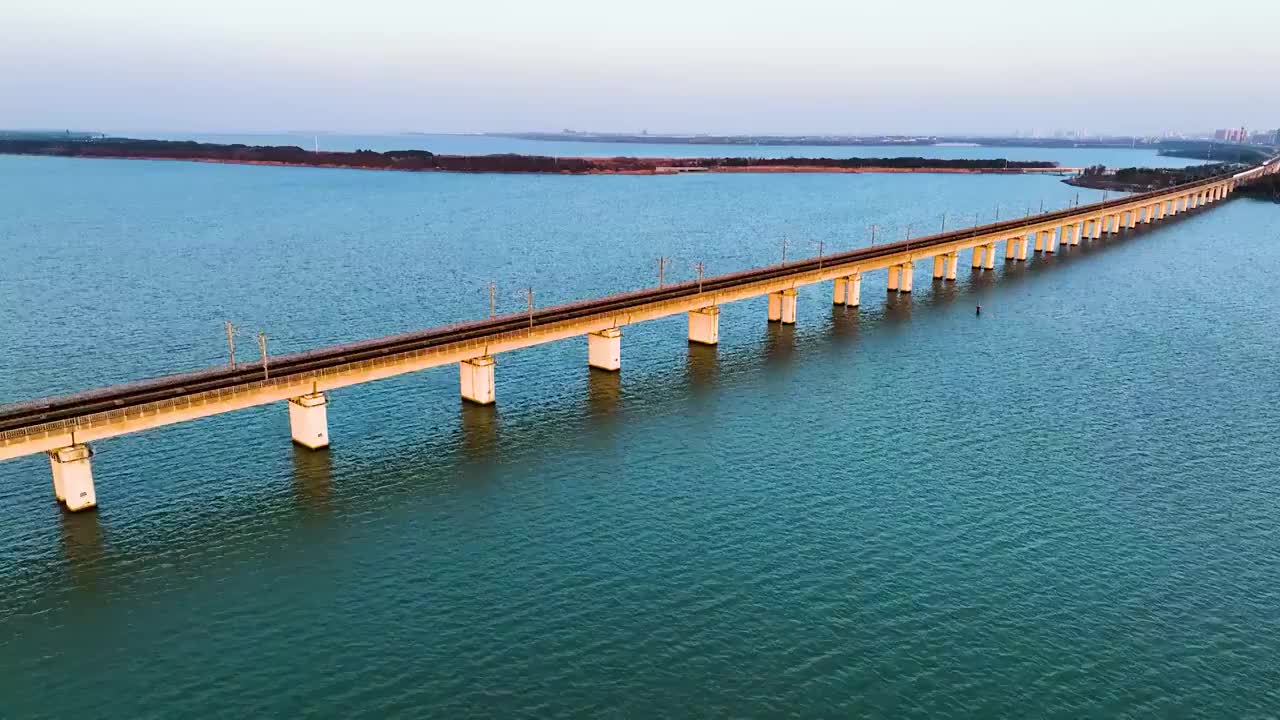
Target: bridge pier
(854, 296)
(1133, 219)
(978, 251)
(789, 306)
(73, 477)
(1097, 229)
(939, 266)
(1039, 246)
(1160, 210)
(990, 263)
(704, 326)
(604, 349)
(953, 264)
(895, 274)
(908, 273)
(1021, 246)
(309, 420)
(1011, 248)
(477, 380)
(838, 290)
(775, 307)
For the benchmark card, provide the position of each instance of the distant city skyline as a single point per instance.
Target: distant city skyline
(988, 67)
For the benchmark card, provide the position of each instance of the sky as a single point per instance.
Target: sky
(744, 66)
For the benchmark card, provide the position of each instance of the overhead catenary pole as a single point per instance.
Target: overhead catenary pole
(530, 291)
(493, 302)
(262, 343)
(699, 276)
(874, 227)
(231, 341)
(662, 270)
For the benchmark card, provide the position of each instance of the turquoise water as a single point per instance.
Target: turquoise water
(1063, 508)
(485, 145)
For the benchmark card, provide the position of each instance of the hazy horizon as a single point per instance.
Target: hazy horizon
(990, 67)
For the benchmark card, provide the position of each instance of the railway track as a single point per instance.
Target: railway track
(19, 415)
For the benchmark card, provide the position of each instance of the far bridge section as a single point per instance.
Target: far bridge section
(63, 426)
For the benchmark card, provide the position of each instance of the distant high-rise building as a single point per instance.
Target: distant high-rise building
(1220, 134)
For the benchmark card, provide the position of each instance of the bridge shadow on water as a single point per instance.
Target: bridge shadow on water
(702, 368)
(312, 479)
(604, 395)
(845, 323)
(80, 534)
(779, 345)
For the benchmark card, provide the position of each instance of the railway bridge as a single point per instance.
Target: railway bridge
(64, 426)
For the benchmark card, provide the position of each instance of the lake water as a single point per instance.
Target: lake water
(1065, 507)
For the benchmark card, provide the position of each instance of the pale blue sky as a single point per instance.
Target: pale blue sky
(790, 66)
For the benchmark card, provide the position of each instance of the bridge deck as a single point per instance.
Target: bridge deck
(50, 423)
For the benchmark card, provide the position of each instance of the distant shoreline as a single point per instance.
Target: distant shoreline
(425, 161)
(1123, 143)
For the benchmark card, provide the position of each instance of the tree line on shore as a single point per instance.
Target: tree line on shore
(1144, 179)
(426, 160)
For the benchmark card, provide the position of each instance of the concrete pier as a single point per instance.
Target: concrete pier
(908, 273)
(73, 477)
(604, 349)
(789, 306)
(704, 326)
(477, 380)
(953, 264)
(939, 266)
(978, 252)
(1040, 236)
(1011, 248)
(854, 296)
(775, 306)
(1021, 247)
(309, 420)
(838, 289)
(895, 275)
(990, 254)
